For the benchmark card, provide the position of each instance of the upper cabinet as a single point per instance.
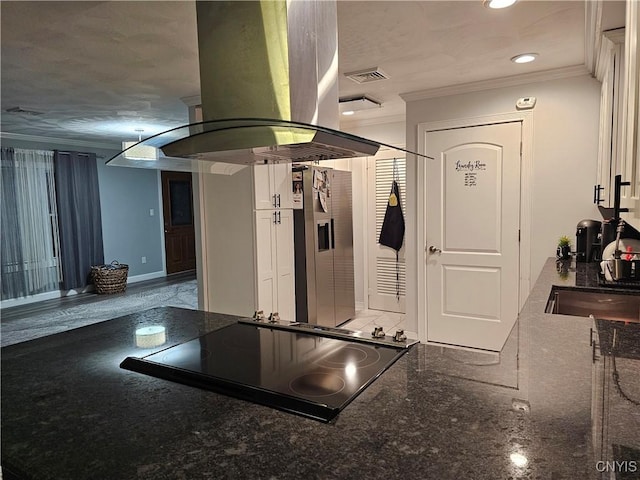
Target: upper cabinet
(272, 186)
(610, 71)
(630, 151)
(617, 66)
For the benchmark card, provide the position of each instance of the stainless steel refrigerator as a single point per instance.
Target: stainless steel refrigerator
(323, 236)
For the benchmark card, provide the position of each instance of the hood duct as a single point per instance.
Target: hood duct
(269, 90)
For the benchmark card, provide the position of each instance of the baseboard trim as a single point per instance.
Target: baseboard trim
(40, 297)
(146, 276)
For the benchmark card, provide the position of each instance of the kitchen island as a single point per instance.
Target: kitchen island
(545, 407)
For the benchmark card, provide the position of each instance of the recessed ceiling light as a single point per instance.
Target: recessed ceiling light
(498, 3)
(524, 58)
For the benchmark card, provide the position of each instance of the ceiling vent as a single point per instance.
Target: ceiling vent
(23, 111)
(369, 75)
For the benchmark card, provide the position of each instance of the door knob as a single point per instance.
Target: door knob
(433, 249)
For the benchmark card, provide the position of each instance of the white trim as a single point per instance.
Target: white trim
(146, 276)
(40, 297)
(546, 75)
(360, 306)
(526, 174)
(592, 33)
(163, 250)
(60, 141)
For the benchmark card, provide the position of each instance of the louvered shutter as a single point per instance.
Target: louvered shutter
(386, 267)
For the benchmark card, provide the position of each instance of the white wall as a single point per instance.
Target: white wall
(565, 145)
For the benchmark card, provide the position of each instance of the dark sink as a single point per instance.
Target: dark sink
(605, 305)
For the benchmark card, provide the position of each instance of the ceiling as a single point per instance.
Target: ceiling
(97, 71)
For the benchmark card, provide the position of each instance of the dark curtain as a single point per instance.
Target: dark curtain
(79, 218)
(14, 282)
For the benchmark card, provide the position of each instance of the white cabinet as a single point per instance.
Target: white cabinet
(610, 71)
(246, 254)
(630, 151)
(272, 186)
(275, 262)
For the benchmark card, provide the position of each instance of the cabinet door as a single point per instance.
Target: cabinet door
(266, 263)
(282, 185)
(630, 154)
(263, 187)
(272, 186)
(286, 306)
(610, 73)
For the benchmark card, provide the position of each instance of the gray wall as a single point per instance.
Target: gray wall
(129, 231)
(126, 196)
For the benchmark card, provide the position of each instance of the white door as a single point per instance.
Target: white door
(472, 230)
(384, 271)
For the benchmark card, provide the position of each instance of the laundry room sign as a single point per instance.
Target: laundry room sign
(470, 170)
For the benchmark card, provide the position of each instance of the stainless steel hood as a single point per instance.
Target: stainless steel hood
(269, 90)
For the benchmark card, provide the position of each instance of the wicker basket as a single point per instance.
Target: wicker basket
(110, 278)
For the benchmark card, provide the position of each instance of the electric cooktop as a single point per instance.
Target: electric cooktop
(308, 370)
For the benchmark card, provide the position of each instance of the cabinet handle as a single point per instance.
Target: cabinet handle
(616, 197)
(596, 194)
(279, 218)
(278, 201)
(333, 235)
(275, 218)
(274, 201)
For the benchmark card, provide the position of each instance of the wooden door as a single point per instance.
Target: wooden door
(472, 232)
(179, 233)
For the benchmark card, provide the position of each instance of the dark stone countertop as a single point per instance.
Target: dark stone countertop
(69, 411)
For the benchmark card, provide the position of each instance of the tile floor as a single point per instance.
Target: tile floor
(366, 320)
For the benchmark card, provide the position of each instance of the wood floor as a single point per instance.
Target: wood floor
(45, 306)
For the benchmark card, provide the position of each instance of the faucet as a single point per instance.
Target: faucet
(617, 253)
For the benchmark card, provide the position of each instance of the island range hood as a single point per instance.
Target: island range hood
(269, 91)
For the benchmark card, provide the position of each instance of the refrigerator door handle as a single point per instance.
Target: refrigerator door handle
(333, 236)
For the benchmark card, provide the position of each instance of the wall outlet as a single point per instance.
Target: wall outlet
(151, 212)
(144, 259)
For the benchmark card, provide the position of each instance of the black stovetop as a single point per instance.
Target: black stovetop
(303, 372)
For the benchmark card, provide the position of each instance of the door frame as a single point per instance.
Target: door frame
(420, 279)
(161, 193)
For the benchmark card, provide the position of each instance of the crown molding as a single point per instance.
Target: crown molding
(514, 80)
(592, 33)
(192, 101)
(59, 141)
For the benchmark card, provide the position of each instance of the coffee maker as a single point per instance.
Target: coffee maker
(588, 247)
